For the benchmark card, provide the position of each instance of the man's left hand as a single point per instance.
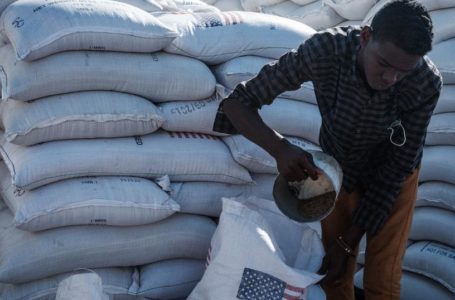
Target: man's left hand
(336, 258)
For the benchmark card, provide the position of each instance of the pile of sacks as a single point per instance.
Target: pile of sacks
(106, 115)
(112, 127)
(69, 153)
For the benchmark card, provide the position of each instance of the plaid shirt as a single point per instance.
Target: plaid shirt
(355, 119)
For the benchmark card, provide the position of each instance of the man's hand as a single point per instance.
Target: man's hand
(336, 258)
(294, 163)
(334, 264)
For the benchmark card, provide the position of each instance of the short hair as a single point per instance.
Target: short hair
(406, 24)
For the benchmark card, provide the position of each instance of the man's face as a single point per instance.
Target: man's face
(384, 64)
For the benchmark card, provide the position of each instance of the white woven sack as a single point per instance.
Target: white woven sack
(101, 25)
(446, 101)
(303, 2)
(442, 56)
(192, 116)
(4, 4)
(190, 6)
(68, 248)
(432, 223)
(3, 41)
(112, 200)
(256, 159)
(433, 260)
(86, 285)
(214, 37)
(254, 5)
(204, 198)
(293, 118)
(351, 9)
(414, 287)
(362, 249)
(158, 76)
(229, 5)
(210, 2)
(316, 15)
(441, 130)
(147, 5)
(430, 5)
(182, 156)
(443, 25)
(94, 114)
(349, 23)
(243, 68)
(255, 244)
(170, 279)
(114, 281)
(438, 164)
(436, 194)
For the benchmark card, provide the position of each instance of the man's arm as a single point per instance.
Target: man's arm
(293, 162)
(239, 112)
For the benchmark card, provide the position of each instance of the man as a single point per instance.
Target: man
(376, 91)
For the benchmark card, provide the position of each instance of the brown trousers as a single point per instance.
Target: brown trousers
(384, 250)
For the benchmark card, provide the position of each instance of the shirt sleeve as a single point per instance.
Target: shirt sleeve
(287, 73)
(376, 204)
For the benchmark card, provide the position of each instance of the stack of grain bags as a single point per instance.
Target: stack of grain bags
(82, 138)
(318, 14)
(74, 95)
(265, 38)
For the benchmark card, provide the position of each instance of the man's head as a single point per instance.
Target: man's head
(393, 45)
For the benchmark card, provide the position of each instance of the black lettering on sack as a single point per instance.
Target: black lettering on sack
(18, 22)
(89, 182)
(98, 221)
(18, 192)
(97, 48)
(138, 140)
(39, 8)
(187, 108)
(154, 57)
(130, 180)
(440, 251)
(431, 250)
(211, 99)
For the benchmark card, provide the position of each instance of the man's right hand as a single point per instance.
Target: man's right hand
(294, 163)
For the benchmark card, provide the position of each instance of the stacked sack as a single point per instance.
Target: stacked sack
(81, 137)
(214, 40)
(428, 266)
(85, 131)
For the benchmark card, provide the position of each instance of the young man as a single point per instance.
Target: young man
(376, 92)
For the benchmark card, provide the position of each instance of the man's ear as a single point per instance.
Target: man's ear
(365, 36)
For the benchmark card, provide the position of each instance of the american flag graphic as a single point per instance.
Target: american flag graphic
(218, 19)
(257, 285)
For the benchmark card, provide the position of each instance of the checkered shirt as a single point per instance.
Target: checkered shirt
(355, 119)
